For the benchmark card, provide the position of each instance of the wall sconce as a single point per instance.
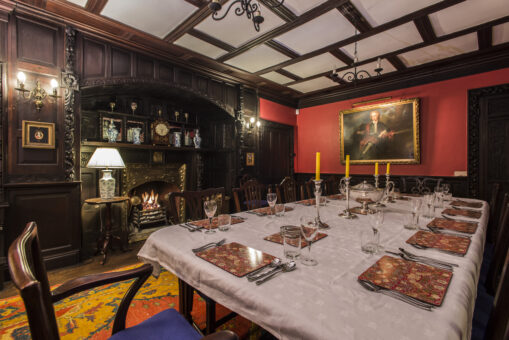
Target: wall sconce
(38, 93)
(252, 123)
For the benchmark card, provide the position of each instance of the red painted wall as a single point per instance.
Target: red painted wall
(443, 118)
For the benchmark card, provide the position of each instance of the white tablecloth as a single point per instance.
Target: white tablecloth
(325, 301)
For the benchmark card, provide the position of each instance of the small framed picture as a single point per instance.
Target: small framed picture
(112, 128)
(157, 157)
(38, 135)
(250, 159)
(135, 131)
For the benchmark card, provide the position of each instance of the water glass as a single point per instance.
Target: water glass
(369, 240)
(271, 199)
(409, 221)
(224, 222)
(430, 205)
(291, 241)
(377, 219)
(279, 209)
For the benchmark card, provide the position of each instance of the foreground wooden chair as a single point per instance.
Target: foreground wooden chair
(188, 205)
(492, 225)
(501, 247)
(250, 194)
(287, 190)
(28, 274)
(498, 323)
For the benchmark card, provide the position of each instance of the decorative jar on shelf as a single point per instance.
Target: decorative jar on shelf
(188, 141)
(112, 133)
(197, 139)
(136, 135)
(177, 139)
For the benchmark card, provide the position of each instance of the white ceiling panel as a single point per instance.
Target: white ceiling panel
(313, 85)
(449, 48)
(300, 7)
(237, 30)
(199, 46)
(156, 17)
(277, 77)
(385, 42)
(501, 33)
(81, 3)
(467, 14)
(309, 67)
(370, 68)
(322, 31)
(257, 59)
(379, 12)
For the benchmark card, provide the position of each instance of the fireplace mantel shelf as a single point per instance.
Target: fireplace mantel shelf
(150, 147)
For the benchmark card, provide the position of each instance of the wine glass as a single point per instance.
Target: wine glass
(308, 229)
(429, 200)
(210, 208)
(416, 206)
(376, 219)
(271, 199)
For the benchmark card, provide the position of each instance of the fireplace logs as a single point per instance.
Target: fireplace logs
(149, 212)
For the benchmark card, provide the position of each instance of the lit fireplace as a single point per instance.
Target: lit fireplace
(150, 201)
(148, 212)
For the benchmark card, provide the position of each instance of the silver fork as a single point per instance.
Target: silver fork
(414, 302)
(411, 255)
(209, 245)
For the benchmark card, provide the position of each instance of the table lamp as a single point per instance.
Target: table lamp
(107, 158)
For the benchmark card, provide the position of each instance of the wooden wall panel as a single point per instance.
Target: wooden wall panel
(216, 90)
(202, 84)
(165, 73)
(94, 59)
(144, 67)
(120, 63)
(184, 77)
(37, 43)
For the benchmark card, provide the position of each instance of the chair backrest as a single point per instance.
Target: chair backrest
(503, 209)
(287, 190)
(416, 185)
(331, 185)
(250, 195)
(493, 200)
(28, 274)
(188, 205)
(501, 247)
(498, 323)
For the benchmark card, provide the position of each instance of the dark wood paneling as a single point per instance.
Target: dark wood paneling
(144, 67)
(275, 154)
(94, 59)
(184, 77)
(120, 63)
(202, 84)
(165, 73)
(55, 208)
(216, 90)
(3, 41)
(231, 98)
(37, 43)
(251, 101)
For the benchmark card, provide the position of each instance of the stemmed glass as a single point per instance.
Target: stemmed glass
(429, 200)
(416, 206)
(377, 219)
(271, 199)
(210, 208)
(308, 229)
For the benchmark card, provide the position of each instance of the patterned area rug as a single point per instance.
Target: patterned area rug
(89, 315)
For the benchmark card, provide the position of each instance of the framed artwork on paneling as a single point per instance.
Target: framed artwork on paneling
(38, 135)
(386, 132)
(250, 159)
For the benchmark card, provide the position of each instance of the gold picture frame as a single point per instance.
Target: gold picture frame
(37, 135)
(387, 132)
(249, 158)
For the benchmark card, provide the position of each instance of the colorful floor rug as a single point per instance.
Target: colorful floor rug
(89, 315)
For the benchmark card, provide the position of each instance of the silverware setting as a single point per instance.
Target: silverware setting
(255, 213)
(209, 245)
(456, 219)
(189, 228)
(419, 246)
(422, 261)
(447, 232)
(411, 255)
(285, 268)
(463, 208)
(394, 294)
(274, 263)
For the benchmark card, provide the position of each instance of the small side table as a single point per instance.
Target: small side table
(107, 235)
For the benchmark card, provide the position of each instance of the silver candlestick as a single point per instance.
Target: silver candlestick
(318, 195)
(389, 188)
(377, 204)
(346, 213)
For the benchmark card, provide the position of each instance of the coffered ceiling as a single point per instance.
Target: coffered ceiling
(301, 42)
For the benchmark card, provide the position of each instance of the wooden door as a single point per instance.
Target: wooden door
(275, 152)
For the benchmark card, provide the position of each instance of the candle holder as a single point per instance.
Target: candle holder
(389, 189)
(318, 195)
(377, 204)
(346, 213)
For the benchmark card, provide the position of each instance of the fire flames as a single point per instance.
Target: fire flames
(150, 201)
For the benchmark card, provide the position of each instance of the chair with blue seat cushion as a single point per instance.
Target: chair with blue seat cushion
(28, 274)
(251, 194)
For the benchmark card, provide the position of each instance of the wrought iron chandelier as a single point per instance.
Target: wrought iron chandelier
(251, 8)
(356, 74)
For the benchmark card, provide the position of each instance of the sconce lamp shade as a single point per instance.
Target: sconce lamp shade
(108, 158)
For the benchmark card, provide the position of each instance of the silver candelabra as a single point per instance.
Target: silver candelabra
(346, 213)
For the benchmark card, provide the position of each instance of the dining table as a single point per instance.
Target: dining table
(326, 301)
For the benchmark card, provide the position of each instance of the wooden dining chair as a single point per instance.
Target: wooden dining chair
(496, 217)
(250, 195)
(498, 323)
(495, 189)
(287, 190)
(501, 247)
(28, 274)
(417, 185)
(331, 185)
(187, 206)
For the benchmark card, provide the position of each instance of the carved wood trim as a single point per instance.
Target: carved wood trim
(474, 113)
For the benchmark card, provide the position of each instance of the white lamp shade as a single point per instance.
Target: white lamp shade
(106, 158)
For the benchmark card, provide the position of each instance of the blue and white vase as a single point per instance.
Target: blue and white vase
(177, 137)
(197, 139)
(112, 133)
(136, 135)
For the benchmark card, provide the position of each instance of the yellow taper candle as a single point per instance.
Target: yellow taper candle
(317, 166)
(376, 169)
(347, 171)
(388, 169)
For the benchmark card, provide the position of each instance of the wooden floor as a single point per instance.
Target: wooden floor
(115, 260)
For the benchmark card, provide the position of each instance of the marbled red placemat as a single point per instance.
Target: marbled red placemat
(336, 197)
(450, 243)
(205, 223)
(462, 212)
(461, 226)
(460, 203)
(266, 210)
(236, 258)
(422, 282)
(277, 238)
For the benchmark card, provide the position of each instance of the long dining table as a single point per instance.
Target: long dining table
(325, 301)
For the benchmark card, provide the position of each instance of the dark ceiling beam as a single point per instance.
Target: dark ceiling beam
(392, 24)
(211, 40)
(308, 16)
(352, 14)
(281, 11)
(38, 3)
(288, 74)
(197, 3)
(282, 49)
(342, 56)
(396, 62)
(95, 6)
(485, 38)
(194, 19)
(392, 54)
(425, 28)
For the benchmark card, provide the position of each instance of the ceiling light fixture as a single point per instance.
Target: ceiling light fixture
(356, 74)
(252, 10)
